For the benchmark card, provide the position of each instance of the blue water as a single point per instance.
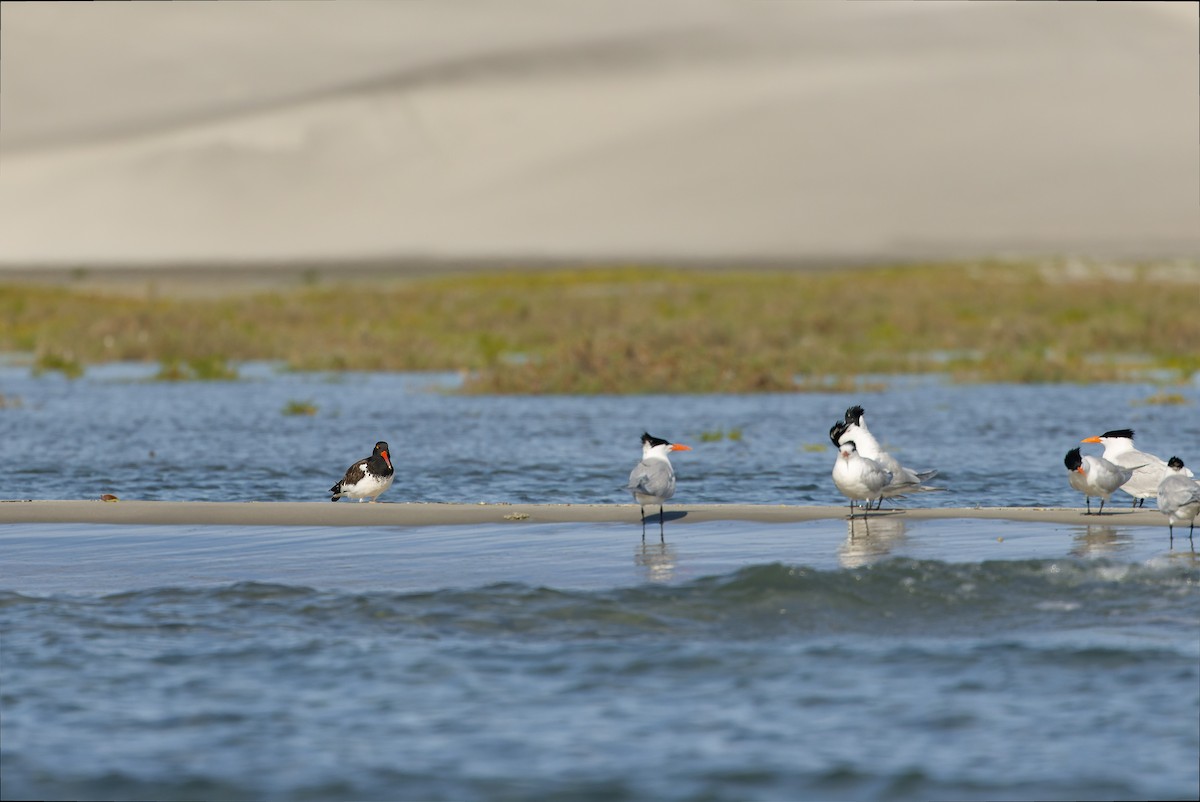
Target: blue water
(114, 432)
(894, 660)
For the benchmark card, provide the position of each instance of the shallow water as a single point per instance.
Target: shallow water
(921, 660)
(114, 432)
(897, 660)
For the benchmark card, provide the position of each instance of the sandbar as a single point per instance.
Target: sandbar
(275, 513)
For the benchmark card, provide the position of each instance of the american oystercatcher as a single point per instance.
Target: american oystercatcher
(368, 477)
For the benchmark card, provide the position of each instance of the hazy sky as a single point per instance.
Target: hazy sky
(164, 131)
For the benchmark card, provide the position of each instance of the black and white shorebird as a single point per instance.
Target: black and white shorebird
(904, 480)
(367, 478)
(652, 481)
(1178, 497)
(1147, 468)
(1094, 476)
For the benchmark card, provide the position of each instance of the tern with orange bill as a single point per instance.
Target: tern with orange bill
(652, 481)
(1147, 468)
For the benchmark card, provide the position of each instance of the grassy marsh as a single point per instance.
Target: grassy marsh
(642, 329)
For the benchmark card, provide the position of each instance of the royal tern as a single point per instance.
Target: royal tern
(904, 480)
(857, 477)
(367, 478)
(1147, 468)
(652, 481)
(1178, 497)
(1094, 476)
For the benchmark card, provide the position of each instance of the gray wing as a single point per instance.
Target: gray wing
(653, 478)
(904, 480)
(874, 475)
(1178, 491)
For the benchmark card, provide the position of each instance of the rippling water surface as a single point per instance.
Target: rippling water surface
(896, 660)
(114, 431)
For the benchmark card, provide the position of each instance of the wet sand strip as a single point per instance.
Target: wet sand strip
(192, 513)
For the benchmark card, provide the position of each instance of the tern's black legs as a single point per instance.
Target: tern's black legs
(661, 535)
(1171, 531)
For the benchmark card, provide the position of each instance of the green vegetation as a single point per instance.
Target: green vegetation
(300, 408)
(1163, 398)
(201, 368)
(717, 435)
(57, 361)
(640, 329)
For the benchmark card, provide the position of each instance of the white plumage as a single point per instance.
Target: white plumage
(857, 477)
(1178, 497)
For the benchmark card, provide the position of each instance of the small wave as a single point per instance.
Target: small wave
(895, 596)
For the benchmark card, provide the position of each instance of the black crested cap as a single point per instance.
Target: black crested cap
(380, 447)
(1176, 463)
(654, 441)
(836, 431)
(1072, 460)
(854, 414)
(1119, 433)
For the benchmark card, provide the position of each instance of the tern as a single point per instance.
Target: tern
(858, 477)
(1147, 468)
(652, 481)
(1178, 497)
(904, 480)
(1094, 476)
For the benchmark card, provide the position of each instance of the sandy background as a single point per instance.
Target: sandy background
(143, 133)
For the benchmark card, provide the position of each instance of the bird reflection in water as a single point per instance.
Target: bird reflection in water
(1095, 540)
(870, 539)
(657, 560)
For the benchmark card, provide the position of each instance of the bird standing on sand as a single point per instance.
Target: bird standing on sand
(1094, 476)
(652, 481)
(856, 476)
(904, 480)
(367, 478)
(1178, 497)
(1147, 468)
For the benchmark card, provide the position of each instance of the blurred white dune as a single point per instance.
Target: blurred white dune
(150, 133)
